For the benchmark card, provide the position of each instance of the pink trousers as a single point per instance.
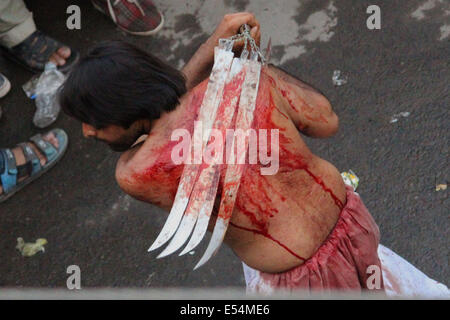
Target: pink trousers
(350, 260)
(347, 260)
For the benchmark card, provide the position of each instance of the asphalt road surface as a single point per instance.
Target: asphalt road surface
(403, 67)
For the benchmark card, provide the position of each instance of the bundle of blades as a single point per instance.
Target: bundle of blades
(235, 170)
(198, 186)
(222, 62)
(203, 195)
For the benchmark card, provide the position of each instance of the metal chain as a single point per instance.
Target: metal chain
(245, 36)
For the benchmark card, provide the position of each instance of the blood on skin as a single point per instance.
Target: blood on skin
(256, 195)
(259, 209)
(297, 162)
(222, 122)
(319, 181)
(253, 199)
(305, 107)
(282, 113)
(267, 235)
(163, 172)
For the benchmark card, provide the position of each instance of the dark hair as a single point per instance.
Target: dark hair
(118, 83)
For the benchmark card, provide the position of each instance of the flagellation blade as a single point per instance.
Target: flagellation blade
(234, 172)
(199, 198)
(179, 205)
(207, 114)
(209, 178)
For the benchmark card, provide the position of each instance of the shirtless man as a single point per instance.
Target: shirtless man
(300, 228)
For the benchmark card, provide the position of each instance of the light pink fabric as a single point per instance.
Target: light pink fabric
(402, 279)
(341, 262)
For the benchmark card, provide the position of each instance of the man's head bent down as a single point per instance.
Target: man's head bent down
(117, 90)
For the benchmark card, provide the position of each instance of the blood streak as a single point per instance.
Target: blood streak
(319, 181)
(163, 172)
(206, 185)
(256, 195)
(305, 107)
(253, 199)
(287, 158)
(282, 113)
(267, 235)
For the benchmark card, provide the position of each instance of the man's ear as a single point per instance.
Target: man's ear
(88, 130)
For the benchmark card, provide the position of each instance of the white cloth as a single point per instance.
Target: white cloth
(401, 279)
(16, 22)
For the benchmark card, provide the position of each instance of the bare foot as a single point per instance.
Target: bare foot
(20, 157)
(60, 56)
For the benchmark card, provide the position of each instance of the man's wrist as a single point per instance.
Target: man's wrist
(211, 42)
(207, 48)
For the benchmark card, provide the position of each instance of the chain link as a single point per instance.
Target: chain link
(245, 36)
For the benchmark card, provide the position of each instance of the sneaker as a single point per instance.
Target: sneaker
(5, 86)
(138, 17)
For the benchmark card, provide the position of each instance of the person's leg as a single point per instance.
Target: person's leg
(138, 17)
(16, 22)
(29, 160)
(23, 43)
(5, 86)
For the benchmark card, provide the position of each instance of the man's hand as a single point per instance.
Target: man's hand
(229, 26)
(199, 66)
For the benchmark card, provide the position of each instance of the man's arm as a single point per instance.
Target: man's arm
(308, 108)
(199, 66)
(131, 178)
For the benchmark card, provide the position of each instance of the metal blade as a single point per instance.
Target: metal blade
(207, 114)
(203, 205)
(187, 224)
(216, 239)
(213, 95)
(179, 205)
(199, 197)
(234, 172)
(207, 180)
(225, 211)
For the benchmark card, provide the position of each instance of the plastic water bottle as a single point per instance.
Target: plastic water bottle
(47, 106)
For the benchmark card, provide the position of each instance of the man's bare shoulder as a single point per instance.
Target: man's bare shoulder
(126, 168)
(198, 90)
(136, 161)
